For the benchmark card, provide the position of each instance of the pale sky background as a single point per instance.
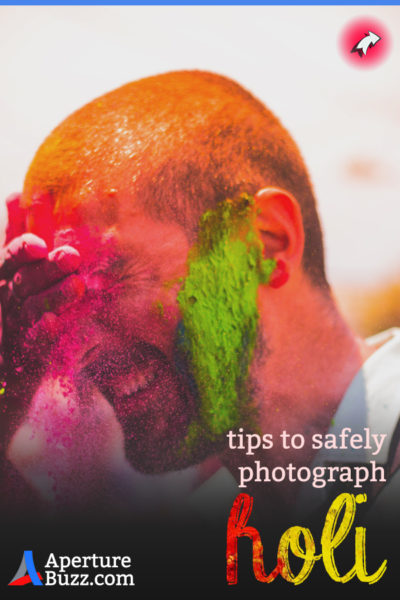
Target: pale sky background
(345, 120)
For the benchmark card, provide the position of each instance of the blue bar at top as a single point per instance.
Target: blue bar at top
(203, 3)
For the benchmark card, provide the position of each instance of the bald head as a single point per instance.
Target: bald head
(171, 146)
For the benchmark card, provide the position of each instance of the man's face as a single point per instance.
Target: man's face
(118, 345)
(174, 394)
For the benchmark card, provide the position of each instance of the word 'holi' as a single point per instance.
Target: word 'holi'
(333, 534)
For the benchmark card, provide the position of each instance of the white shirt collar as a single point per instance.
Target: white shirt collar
(371, 401)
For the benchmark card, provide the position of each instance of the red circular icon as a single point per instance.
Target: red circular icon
(364, 42)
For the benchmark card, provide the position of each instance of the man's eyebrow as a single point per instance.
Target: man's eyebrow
(106, 263)
(116, 272)
(103, 272)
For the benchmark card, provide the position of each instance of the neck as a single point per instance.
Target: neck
(312, 356)
(307, 358)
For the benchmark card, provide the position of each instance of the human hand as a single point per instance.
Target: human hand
(35, 287)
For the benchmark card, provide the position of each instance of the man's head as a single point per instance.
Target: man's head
(127, 178)
(170, 146)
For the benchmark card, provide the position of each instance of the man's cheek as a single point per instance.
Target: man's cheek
(218, 301)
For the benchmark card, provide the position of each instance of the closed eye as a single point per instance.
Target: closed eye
(88, 356)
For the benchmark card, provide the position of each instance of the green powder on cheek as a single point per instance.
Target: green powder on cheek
(218, 302)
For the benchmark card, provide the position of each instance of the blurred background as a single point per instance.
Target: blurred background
(345, 120)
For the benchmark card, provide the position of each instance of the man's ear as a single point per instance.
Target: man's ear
(280, 226)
